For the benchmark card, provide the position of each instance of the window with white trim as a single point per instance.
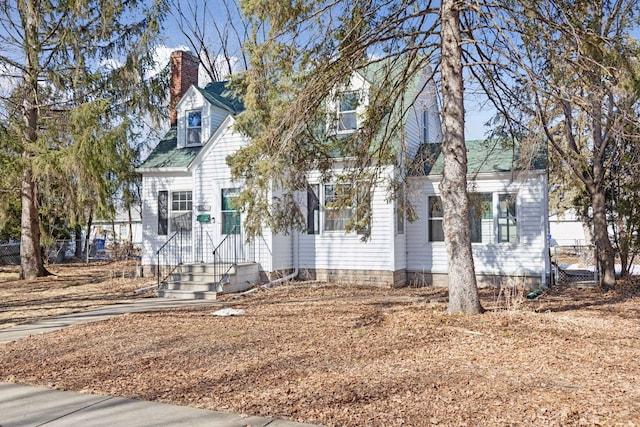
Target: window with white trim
(347, 116)
(194, 127)
(507, 220)
(336, 214)
(181, 211)
(481, 217)
(230, 213)
(436, 214)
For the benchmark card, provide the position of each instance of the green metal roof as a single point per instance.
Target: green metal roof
(167, 155)
(483, 156)
(217, 93)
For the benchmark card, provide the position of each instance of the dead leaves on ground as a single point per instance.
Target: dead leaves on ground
(350, 355)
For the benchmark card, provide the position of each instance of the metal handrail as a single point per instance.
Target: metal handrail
(226, 254)
(222, 255)
(166, 247)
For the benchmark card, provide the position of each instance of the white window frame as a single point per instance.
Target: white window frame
(499, 220)
(482, 221)
(506, 219)
(231, 213)
(181, 204)
(343, 216)
(340, 112)
(433, 220)
(196, 129)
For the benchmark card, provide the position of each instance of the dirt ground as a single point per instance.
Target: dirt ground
(344, 355)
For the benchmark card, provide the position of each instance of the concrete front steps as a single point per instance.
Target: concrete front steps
(198, 281)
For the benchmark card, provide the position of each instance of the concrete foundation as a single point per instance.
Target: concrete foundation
(366, 277)
(420, 279)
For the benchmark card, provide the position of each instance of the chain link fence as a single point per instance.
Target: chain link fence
(10, 254)
(64, 250)
(575, 265)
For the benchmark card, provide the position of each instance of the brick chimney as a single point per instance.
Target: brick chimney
(184, 73)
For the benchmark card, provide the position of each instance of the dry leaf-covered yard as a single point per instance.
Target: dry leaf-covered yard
(338, 354)
(71, 288)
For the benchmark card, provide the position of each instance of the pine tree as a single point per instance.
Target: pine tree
(79, 69)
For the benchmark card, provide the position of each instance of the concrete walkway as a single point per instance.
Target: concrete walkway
(54, 323)
(22, 405)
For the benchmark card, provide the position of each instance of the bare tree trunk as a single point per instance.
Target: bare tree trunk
(605, 253)
(31, 264)
(463, 289)
(88, 235)
(78, 233)
(130, 240)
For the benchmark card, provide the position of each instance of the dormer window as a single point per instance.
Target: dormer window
(347, 106)
(194, 127)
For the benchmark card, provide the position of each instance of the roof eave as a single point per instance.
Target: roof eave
(184, 169)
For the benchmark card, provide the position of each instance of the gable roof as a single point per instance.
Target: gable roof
(483, 156)
(219, 95)
(166, 155)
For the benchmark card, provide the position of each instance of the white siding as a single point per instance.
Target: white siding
(192, 100)
(282, 257)
(151, 185)
(527, 256)
(425, 99)
(340, 250)
(212, 116)
(212, 174)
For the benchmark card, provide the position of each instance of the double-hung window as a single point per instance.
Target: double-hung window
(194, 127)
(481, 217)
(331, 207)
(337, 212)
(181, 211)
(507, 221)
(347, 116)
(436, 214)
(230, 214)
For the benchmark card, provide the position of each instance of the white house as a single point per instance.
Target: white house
(188, 189)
